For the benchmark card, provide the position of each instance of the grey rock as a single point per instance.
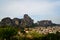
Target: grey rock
(6, 22)
(16, 21)
(27, 21)
(45, 23)
(0, 23)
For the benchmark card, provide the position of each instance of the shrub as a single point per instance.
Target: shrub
(6, 33)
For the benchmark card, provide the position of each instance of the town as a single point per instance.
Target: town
(43, 30)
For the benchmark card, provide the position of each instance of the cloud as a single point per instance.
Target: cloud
(25, 7)
(33, 8)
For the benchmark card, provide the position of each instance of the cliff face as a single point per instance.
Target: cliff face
(16, 21)
(6, 21)
(26, 21)
(0, 23)
(46, 23)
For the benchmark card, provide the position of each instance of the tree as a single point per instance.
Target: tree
(51, 36)
(7, 33)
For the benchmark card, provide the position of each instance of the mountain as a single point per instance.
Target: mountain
(46, 23)
(26, 21)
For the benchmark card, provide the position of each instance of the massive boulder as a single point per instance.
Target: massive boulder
(27, 21)
(6, 22)
(16, 21)
(45, 23)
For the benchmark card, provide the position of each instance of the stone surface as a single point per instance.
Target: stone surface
(6, 21)
(27, 21)
(45, 23)
(0, 23)
(16, 21)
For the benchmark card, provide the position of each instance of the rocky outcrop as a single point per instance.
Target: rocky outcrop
(27, 21)
(6, 22)
(45, 23)
(0, 23)
(16, 21)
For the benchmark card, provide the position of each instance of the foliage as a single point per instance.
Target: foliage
(10, 33)
(7, 32)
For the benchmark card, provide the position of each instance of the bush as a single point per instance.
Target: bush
(6, 33)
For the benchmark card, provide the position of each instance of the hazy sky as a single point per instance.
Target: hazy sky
(36, 9)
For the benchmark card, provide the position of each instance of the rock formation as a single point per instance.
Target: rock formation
(24, 22)
(16, 21)
(0, 23)
(6, 22)
(45, 23)
(27, 21)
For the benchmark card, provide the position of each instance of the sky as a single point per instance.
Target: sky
(36, 9)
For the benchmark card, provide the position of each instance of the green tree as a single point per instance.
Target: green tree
(7, 33)
(51, 36)
(58, 35)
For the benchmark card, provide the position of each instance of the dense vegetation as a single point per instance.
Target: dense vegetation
(11, 33)
(7, 32)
